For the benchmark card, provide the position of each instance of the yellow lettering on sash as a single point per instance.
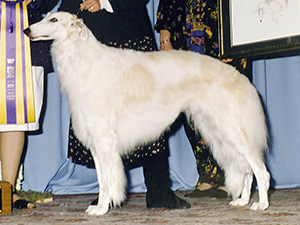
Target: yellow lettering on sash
(19, 73)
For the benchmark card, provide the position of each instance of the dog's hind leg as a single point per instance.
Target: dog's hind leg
(255, 160)
(111, 177)
(263, 183)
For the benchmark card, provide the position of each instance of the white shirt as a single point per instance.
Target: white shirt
(105, 4)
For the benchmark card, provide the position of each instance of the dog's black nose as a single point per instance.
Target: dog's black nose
(27, 31)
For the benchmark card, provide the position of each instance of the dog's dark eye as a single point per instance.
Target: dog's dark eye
(53, 20)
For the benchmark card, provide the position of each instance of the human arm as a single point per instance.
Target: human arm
(42, 6)
(111, 5)
(170, 20)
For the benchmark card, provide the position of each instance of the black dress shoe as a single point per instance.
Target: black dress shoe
(23, 204)
(167, 200)
(213, 192)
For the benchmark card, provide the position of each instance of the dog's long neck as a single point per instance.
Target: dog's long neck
(75, 59)
(73, 47)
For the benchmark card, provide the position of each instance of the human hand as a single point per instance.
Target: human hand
(28, 2)
(91, 5)
(227, 60)
(165, 43)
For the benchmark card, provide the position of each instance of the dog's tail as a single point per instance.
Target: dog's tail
(234, 182)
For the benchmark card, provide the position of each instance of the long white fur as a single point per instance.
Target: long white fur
(122, 98)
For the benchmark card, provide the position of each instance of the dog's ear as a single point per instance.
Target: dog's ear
(82, 29)
(83, 34)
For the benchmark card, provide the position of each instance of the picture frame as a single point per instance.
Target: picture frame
(259, 28)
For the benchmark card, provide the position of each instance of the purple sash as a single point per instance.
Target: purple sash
(16, 88)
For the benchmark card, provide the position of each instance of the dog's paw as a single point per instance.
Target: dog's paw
(259, 206)
(239, 202)
(97, 210)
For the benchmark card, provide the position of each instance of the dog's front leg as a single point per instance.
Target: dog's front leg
(103, 199)
(111, 177)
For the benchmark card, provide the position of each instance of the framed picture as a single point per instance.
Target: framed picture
(259, 28)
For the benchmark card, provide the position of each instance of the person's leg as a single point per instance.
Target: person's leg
(157, 180)
(11, 147)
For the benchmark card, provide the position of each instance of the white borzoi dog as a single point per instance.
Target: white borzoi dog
(123, 98)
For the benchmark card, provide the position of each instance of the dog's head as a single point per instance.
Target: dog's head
(57, 26)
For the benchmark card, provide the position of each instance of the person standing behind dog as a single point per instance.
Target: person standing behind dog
(193, 25)
(127, 27)
(12, 135)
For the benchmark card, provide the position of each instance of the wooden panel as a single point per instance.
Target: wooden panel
(5, 198)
